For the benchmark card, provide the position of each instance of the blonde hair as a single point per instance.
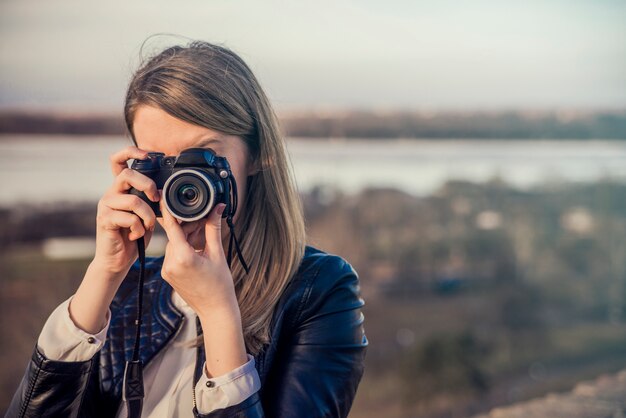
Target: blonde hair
(211, 86)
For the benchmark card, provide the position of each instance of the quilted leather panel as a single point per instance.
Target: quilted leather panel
(160, 320)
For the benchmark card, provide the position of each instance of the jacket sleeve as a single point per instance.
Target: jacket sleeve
(321, 364)
(57, 377)
(51, 388)
(228, 389)
(62, 340)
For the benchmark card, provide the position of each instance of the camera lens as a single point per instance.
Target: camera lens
(189, 194)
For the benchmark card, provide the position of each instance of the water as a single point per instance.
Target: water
(39, 169)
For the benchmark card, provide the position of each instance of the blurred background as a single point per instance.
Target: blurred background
(468, 159)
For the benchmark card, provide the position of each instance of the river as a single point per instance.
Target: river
(38, 169)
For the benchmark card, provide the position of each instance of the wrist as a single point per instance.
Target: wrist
(104, 271)
(224, 344)
(225, 312)
(90, 303)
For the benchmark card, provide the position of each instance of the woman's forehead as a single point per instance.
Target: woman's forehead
(156, 130)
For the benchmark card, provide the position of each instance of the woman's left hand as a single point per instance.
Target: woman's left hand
(200, 276)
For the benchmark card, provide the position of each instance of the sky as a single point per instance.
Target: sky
(78, 54)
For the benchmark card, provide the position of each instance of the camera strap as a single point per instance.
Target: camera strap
(132, 389)
(232, 239)
(229, 221)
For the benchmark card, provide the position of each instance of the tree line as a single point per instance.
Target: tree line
(367, 124)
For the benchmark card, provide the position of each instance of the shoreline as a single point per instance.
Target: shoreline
(477, 124)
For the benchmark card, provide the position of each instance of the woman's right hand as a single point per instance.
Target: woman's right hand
(122, 218)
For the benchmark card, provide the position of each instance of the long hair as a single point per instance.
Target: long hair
(211, 86)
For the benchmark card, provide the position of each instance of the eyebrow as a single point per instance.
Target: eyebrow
(207, 141)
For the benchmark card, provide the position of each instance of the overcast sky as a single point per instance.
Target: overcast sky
(330, 53)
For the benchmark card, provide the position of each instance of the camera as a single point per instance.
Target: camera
(192, 183)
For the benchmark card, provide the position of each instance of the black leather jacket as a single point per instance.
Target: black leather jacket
(311, 367)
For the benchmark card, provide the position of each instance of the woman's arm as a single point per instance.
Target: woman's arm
(317, 375)
(56, 388)
(121, 219)
(203, 279)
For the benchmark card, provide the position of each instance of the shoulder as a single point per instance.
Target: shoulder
(321, 271)
(324, 282)
(322, 267)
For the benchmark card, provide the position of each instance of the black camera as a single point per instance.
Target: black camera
(192, 183)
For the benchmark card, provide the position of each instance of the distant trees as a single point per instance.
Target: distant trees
(367, 124)
(496, 125)
(61, 123)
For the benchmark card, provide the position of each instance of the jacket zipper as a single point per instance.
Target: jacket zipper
(193, 383)
(193, 389)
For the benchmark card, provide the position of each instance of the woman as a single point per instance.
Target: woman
(285, 339)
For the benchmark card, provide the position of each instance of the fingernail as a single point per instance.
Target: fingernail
(220, 208)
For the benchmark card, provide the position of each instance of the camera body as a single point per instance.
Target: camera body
(192, 183)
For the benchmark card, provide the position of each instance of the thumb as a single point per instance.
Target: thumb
(213, 228)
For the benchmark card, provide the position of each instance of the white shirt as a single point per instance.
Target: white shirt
(168, 377)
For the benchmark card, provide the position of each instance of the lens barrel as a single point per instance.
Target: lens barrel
(189, 194)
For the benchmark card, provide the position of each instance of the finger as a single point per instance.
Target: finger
(172, 228)
(116, 219)
(119, 159)
(132, 203)
(132, 178)
(213, 229)
(194, 233)
(190, 228)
